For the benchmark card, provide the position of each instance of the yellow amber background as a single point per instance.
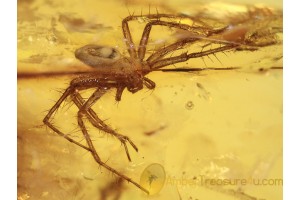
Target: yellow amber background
(222, 124)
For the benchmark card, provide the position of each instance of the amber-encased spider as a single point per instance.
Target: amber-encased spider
(115, 71)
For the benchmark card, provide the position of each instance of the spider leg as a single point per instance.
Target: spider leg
(198, 30)
(120, 90)
(170, 48)
(47, 122)
(185, 56)
(84, 109)
(128, 39)
(149, 83)
(152, 17)
(183, 43)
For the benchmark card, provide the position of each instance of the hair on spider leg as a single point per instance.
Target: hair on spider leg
(106, 163)
(44, 111)
(192, 69)
(210, 58)
(224, 53)
(51, 100)
(48, 130)
(53, 115)
(64, 104)
(202, 58)
(217, 58)
(117, 103)
(83, 154)
(128, 10)
(76, 129)
(147, 91)
(55, 126)
(157, 13)
(102, 134)
(141, 11)
(107, 136)
(93, 140)
(67, 104)
(72, 134)
(149, 9)
(59, 90)
(81, 140)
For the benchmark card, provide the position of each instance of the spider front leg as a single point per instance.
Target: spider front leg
(153, 17)
(200, 31)
(85, 109)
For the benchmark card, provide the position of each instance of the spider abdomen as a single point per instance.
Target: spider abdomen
(97, 56)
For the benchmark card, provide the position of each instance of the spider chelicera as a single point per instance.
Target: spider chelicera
(112, 70)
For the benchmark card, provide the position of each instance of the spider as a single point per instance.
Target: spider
(114, 71)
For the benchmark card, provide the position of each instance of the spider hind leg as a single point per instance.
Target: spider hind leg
(69, 91)
(85, 109)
